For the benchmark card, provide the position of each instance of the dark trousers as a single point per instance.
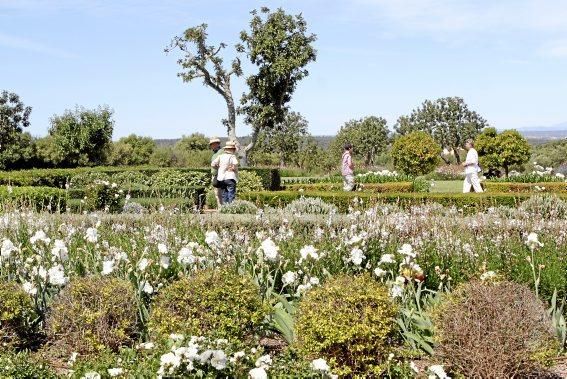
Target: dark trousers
(229, 192)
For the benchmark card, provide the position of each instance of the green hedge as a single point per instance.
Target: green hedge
(40, 198)
(343, 200)
(151, 192)
(57, 178)
(556, 187)
(75, 205)
(367, 187)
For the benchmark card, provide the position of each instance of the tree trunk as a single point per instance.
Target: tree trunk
(457, 156)
(250, 146)
(506, 170)
(444, 159)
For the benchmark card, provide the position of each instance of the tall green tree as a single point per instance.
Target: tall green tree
(279, 45)
(415, 153)
(504, 150)
(20, 153)
(132, 150)
(448, 120)
(82, 137)
(195, 141)
(369, 137)
(286, 140)
(14, 116)
(203, 61)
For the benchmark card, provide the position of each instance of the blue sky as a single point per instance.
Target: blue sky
(507, 58)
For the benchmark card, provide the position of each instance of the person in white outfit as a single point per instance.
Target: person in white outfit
(227, 165)
(471, 169)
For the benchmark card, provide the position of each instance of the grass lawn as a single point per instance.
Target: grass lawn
(447, 186)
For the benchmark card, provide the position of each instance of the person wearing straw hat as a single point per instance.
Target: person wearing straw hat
(227, 165)
(215, 145)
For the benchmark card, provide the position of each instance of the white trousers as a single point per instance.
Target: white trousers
(471, 180)
(348, 182)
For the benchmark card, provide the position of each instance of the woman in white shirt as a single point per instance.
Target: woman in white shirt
(471, 169)
(227, 165)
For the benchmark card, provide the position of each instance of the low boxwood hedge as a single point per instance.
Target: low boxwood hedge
(343, 200)
(40, 198)
(556, 187)
(58, 178)
(151, 192)
(184, 204)
(366, 187)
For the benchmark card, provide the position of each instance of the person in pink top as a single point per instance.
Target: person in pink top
(347, 168)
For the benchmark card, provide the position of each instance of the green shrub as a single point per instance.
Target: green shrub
(249, 181)
(366, 187)
(415, 153)
(24, 365)
(525, 187)
(239, 207)
(87, 178)
(217, 303)
(494, 330)
(129, 179)
(350, 321)
(93, 314)
(532, 177)
(39, 198)
(310, 205)
(545, 206)
(177, 178)
(17, 314)
(421, 185)
(103, 196)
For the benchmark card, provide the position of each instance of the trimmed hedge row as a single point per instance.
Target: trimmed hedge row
(396, 187)
(151, 192)
(41, 198)
(556, 187)
(344, 200)
(58, 178)
(75, 205)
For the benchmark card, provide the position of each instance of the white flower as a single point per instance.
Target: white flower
(164, 261)
(59, 250)
(289, 278)
(29, 288)
(258, 373)
(91, 235)
(396, 291)
(162, 249)
(308, 251)
(147, 287)
(414, 367)
(218, 360)
(407, 250)
(143, 264)
(270, 249)
(57, 275)
(185, 256)
(115, 372)
(7, 248)
(146, 346)
(439, 372)
(533, 241)
(212, 238)
(487, 275)
(314, 281)
(387, 258)
(379, 272)
(357, 256)
(91, 375)
(170, 359)
(40, 236)
(107, 267)
(560, 175)
(176, 337)
(320, 365)
(264, 361)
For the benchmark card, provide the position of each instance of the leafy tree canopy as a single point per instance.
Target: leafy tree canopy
(14, 116)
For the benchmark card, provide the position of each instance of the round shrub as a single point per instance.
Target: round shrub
(494, 330)
(103, 196)
(176, 178)
(547, 206)
(83, 179)
(239, 207)
(310, 205)
(17, 313)
(93, 314)
(249, 181)
(415, 153)
(349, 321)
(217, 303)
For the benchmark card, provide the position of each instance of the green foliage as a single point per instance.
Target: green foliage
(192, 158)
(310, 205)
(448, 120)
(103, 196)
(350, 321)
(396, 187)
(20, 153)
(39, 198)
(93, 314)
(163, 157)
(415, 153)
(532, 177)
(13, 116)
(249, 181)
(218, 303)
(494, 330)
(550, 154)
(86, 178)
(17, 316)
(177, 178)
(280, 47)
(195, 141)
(239, 207)
(545, 206)
(24, 365)
(502, 150)
(525, 187)
(82, 137)
(369, 137)
(129, 179)
(132, 150)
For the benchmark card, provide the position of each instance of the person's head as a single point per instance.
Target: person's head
(469, 144)
(214, 144)
(348, 147)
(230, 147)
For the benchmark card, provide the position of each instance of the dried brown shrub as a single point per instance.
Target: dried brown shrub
(93, 314)
(494, 330)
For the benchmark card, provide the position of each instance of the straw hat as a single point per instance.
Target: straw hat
(214, 140)
(230, 145)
